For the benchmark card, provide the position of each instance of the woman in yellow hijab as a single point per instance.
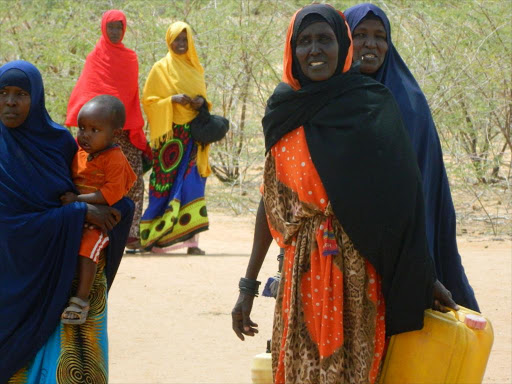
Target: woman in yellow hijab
(174, 91)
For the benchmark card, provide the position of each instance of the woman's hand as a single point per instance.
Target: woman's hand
(68, 198)
(442, 298)
(102, 216)
(197, 102)
(242, 323)
(181, 99)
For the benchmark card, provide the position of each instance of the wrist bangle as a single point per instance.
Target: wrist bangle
(249, 286)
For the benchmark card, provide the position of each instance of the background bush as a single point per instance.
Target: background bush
(459, 51)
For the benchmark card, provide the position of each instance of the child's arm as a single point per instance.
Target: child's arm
(89, 198)
(92, 198)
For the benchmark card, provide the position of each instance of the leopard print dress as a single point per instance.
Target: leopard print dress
(329, 316)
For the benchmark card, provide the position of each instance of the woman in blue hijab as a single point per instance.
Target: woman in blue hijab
(378, 58)
(39, 241)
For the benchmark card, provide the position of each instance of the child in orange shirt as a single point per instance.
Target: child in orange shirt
(102, 175)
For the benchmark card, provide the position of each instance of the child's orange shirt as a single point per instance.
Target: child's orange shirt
(107, 171)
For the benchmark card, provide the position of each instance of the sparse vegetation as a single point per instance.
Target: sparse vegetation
(459, 51)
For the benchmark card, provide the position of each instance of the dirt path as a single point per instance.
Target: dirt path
(169, 316)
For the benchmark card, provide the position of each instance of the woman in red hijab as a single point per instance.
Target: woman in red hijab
(113, 69)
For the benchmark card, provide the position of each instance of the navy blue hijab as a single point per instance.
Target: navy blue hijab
(439, 210)
(39, 238)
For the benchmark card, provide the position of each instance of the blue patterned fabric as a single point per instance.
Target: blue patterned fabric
(74, 354)
(439, 209)
(79, 354)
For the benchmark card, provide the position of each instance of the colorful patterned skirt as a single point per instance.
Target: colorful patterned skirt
(177, 209)
(74, 353)
(136, 193)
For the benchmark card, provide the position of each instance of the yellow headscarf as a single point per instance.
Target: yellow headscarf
(172, 75)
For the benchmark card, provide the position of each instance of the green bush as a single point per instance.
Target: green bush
(459, 51)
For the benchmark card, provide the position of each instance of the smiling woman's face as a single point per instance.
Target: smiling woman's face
(180, 43)
(317, 51)
(370, 45)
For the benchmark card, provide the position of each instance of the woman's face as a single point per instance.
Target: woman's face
(115, 31)
(370, 45)
(180, 44)
(317, 51)
(14, 106)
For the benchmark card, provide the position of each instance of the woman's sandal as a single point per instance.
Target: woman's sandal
(77, 307)
(133, 246)
(133, 251)
(195, 251)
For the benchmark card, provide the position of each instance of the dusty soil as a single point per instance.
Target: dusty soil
(169, 316)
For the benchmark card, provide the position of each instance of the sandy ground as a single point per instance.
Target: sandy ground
(169, 316)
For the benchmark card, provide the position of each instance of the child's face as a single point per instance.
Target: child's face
(95, 130)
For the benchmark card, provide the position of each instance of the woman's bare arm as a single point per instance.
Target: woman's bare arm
(242, 324)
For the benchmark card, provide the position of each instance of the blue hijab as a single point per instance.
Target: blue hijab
(39, 238)
(439, 210)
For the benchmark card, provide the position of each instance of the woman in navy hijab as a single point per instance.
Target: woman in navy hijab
(39, 241)
(378, 58)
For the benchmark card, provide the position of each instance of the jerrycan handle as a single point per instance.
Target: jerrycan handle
(472, 321)
(455, 312)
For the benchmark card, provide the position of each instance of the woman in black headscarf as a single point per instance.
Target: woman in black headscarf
(342, 196)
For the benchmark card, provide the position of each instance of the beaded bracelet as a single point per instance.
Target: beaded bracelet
(249, 286)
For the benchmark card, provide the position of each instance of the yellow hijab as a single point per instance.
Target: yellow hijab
(172, 75)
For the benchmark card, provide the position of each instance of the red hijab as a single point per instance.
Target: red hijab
(111, 69)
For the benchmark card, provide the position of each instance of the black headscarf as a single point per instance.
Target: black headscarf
(364, 158)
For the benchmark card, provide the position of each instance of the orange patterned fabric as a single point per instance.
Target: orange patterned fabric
(320, 335)
(329, 317)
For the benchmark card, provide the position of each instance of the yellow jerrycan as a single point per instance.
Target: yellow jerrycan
(452, 348)
(261, 370)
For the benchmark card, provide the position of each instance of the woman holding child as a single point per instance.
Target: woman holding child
(39, 243)
(342, 196)
(174, 92)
